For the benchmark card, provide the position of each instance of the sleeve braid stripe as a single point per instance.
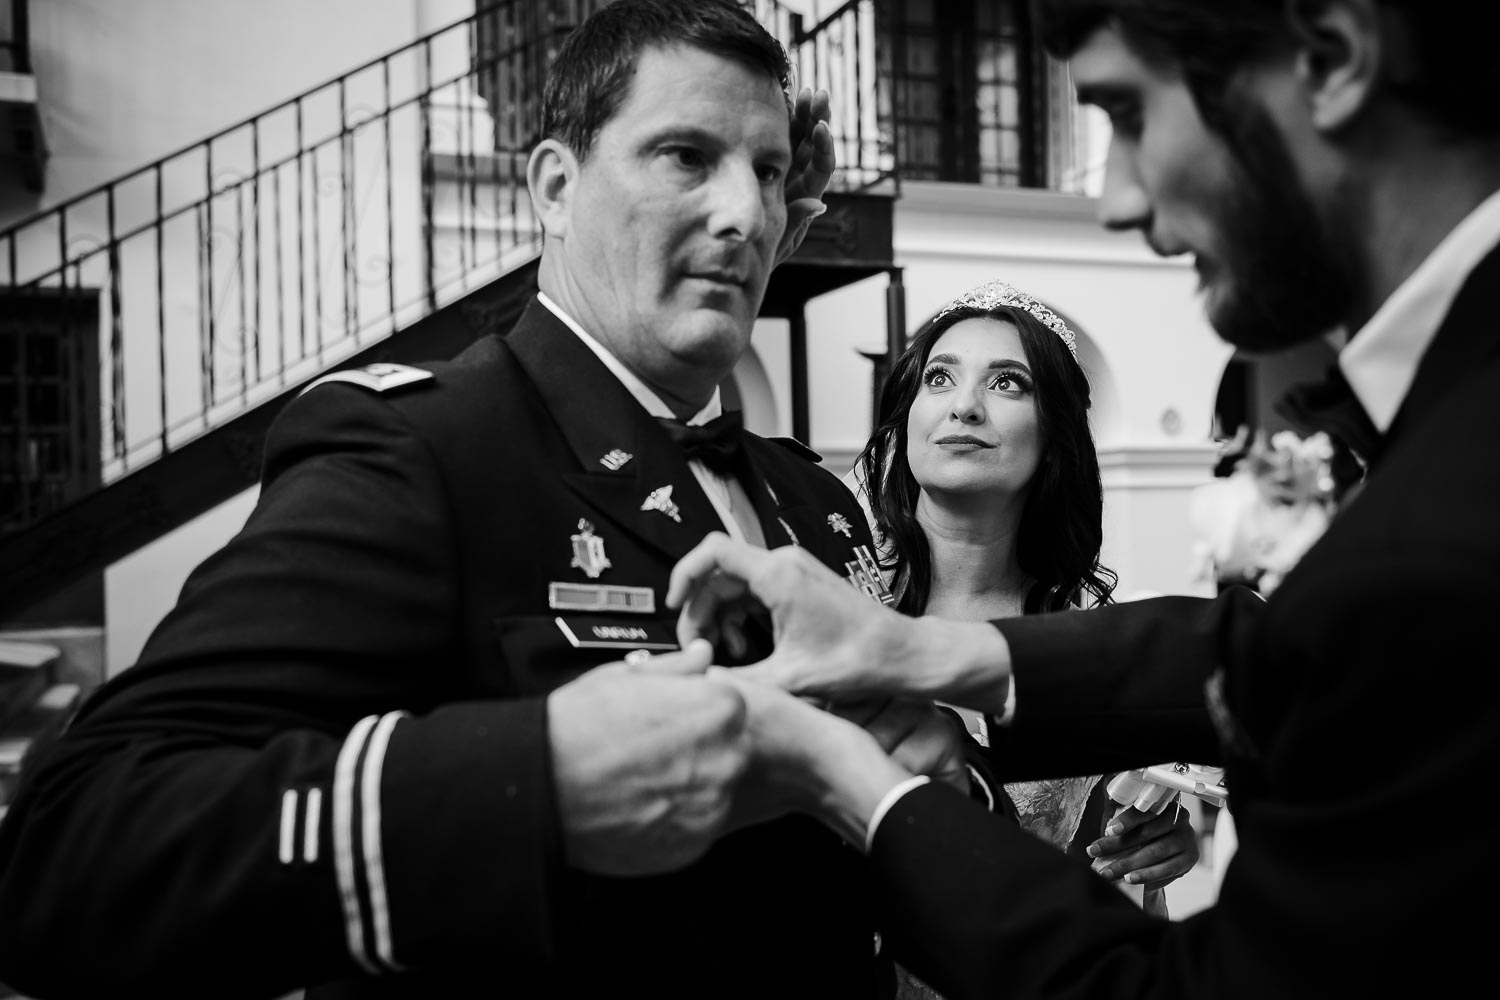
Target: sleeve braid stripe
(284, 851)
(374, 862)
(343, 840)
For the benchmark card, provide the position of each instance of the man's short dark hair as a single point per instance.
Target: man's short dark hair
(1450, 73)
(591, 74)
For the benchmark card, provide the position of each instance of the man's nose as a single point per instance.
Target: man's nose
(738, 211)
(1123, 203)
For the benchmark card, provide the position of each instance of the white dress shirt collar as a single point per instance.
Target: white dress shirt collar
(1380, 362)
(640, 390)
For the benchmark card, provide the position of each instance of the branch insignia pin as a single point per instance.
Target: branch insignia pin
(660, 500)
(588, 551)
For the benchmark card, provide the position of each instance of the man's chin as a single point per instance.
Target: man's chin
(712, 338)
(1254, 326)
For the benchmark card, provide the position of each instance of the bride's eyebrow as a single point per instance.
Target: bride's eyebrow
(952, 359)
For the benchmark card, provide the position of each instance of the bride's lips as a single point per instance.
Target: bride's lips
(962, 441)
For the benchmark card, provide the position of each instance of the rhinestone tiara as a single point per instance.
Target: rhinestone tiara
(993, 294)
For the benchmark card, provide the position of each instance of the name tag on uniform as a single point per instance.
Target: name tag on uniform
(611, 633)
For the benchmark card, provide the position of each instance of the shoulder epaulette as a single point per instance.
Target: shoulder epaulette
(797, 448)
(380, 377)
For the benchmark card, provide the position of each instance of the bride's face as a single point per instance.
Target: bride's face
(973, 426)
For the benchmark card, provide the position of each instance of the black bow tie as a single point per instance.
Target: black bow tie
(716, 444)
(1331, 406)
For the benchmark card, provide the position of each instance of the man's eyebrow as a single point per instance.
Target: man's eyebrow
(695, 135)
(676, 132)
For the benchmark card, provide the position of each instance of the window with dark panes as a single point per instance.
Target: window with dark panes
(962, 91)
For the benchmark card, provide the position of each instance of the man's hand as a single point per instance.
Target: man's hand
(645, 763)
(813, 163)
(827, 635)
(810, 761)
(832, 641)
(917, 735)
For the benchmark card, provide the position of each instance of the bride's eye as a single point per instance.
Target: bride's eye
(937, 376)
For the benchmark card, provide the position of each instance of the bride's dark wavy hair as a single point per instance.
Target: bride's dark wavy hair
(1061, 527)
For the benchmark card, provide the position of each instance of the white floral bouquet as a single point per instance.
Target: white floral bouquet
(1253, 525)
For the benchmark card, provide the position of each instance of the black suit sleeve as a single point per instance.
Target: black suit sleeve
(274, 789)
(979, 908)
(1116, 688)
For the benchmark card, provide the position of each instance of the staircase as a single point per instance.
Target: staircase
(153, 327)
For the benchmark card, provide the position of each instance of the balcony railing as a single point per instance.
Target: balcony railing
(170, 299)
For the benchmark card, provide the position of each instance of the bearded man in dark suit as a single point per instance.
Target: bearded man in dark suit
(373, 751)
(1330, 164)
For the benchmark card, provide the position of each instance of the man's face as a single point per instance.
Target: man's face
(674, 218)
(1270, 273)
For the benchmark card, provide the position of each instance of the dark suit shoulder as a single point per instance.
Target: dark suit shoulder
(791, 464)
(797, 448)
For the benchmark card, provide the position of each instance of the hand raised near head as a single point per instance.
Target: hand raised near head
(645, 763)
(813, 163)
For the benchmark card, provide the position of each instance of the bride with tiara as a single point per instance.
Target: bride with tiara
(982, 486)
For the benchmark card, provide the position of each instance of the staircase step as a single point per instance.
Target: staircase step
(39, 721)
(27, 669)
(16, 653)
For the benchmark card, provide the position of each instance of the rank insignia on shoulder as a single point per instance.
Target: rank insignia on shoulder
(588, 551)
(380, 377)
(838, 522)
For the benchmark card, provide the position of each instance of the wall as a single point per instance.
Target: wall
(122, 84)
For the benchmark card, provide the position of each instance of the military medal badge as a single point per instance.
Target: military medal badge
(588, 551)
(864, 574)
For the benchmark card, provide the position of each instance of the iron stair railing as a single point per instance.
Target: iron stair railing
(229, 273)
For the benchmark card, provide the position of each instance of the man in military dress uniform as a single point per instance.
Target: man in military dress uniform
(369, 748)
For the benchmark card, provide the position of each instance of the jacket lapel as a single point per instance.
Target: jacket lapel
(603, 423)
(1465, 344)
(790, 516)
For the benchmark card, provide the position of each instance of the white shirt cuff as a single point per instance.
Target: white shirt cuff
(984, 786)
(1010, 703)
(891, 798)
